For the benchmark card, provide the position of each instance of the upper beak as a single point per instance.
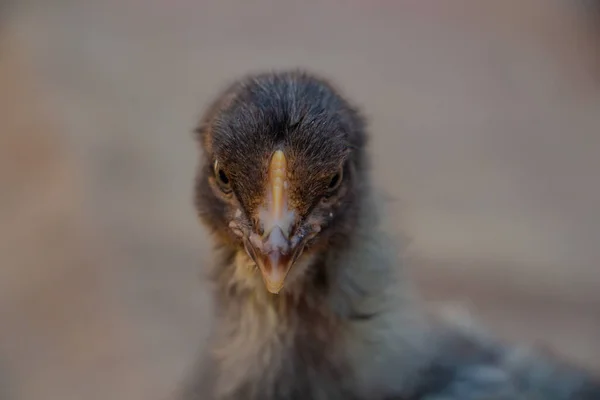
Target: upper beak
(274, 252)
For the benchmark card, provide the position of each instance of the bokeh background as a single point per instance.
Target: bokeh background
(485, 121)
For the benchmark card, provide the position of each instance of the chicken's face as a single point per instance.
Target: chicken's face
(280, 179)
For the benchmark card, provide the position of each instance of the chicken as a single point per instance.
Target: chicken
(312, 301)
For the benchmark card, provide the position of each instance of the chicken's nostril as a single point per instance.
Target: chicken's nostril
(277, 241)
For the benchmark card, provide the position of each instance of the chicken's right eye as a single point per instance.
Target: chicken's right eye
(222, 179)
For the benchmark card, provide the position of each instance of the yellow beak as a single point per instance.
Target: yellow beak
(275, 255)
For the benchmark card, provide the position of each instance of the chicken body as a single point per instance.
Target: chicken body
(311, 298)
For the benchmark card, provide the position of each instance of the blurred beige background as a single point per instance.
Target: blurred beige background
(485, 117)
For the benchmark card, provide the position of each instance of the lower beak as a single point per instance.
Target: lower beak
(274, 256)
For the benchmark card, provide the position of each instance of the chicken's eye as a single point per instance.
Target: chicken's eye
(222, 179)
(335, 181)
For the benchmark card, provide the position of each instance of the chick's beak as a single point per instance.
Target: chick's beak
(273, 251)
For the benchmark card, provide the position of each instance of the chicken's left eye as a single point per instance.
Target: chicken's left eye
(222, 179)
(335, 181)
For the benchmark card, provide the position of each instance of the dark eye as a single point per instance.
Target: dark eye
(335, 181)
(222, 179)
